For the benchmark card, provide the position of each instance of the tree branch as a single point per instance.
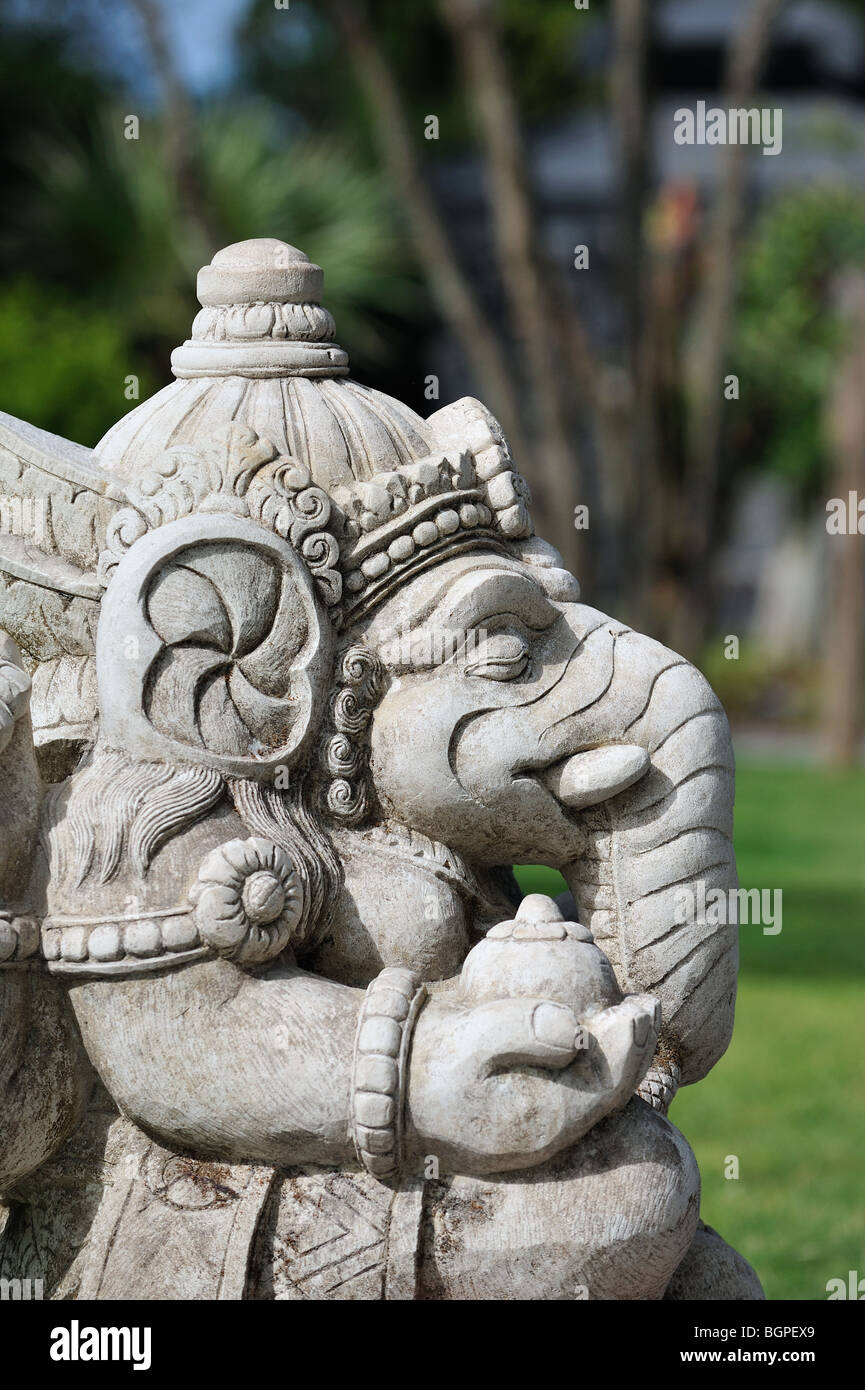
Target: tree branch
(745, 62)
(448, 284)
(490, 93)
(182, 154)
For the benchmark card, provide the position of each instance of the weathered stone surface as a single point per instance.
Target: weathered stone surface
(712, 1271)
(310, 686)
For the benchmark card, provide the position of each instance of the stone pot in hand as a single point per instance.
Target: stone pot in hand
(539, 955)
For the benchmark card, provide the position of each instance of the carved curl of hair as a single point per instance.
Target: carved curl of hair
(344, 750)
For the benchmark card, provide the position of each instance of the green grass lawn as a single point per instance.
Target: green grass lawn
(788, 1099)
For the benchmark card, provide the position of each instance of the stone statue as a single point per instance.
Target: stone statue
(287, 685)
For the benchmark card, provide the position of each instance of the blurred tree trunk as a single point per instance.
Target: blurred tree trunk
(447, 283)
(670, 280)
(844, 650)
(640, 516)
(744, 65)
(527, 287)
(201, 239)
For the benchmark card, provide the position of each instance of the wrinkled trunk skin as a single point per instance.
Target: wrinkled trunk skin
(671, 832)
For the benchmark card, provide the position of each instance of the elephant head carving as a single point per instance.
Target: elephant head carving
(548, 732)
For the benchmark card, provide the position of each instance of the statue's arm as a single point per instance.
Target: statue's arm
(252, 1067)
(228, 1063)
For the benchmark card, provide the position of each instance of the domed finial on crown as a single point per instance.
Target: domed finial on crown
(260, 316)
(260, 271)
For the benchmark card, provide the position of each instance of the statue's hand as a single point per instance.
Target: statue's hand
(14, 689)
(509, 1083)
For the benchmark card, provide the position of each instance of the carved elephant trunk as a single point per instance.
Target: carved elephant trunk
(656, 851)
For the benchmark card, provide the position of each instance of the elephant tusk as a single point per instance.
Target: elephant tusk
(593, 776)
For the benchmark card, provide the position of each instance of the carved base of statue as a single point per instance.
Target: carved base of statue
(117, 1216)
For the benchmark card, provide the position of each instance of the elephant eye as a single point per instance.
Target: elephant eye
(502, 656)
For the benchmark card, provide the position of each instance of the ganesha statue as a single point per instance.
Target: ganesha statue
(287, 688)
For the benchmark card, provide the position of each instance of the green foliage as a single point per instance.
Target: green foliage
(755, 686)
(788, 335)
(63, 365)
(301, 64)
(542, 42)
(297, 60)
(42, 89)
(103, 212)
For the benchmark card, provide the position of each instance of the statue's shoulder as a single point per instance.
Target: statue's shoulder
(150, 868)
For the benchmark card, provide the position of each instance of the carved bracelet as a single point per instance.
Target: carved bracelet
(387, 1017)
(19, 937)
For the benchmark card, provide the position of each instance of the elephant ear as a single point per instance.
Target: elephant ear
(56, 504)
(212, 648)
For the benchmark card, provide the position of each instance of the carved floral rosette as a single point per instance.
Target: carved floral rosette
(248, 900)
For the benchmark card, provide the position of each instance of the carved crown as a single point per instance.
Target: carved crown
(264, 422)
